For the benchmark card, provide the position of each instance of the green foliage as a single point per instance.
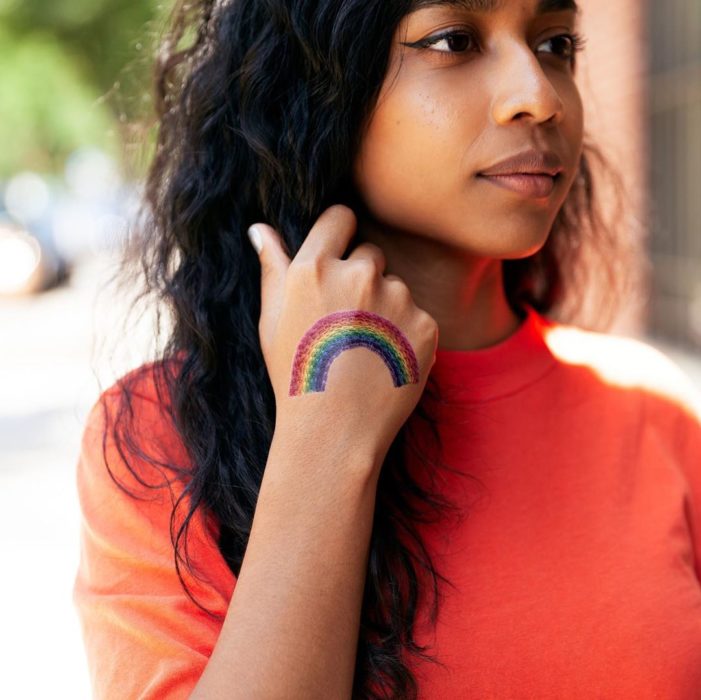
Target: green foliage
(72, 72)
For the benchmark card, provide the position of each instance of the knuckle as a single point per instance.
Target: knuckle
(362, 271)
(306, 269)
(399, 288)
(370, 253)
(342, 210)
(426, 320)
(373, 249)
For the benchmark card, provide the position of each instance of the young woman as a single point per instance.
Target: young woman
(367, 464)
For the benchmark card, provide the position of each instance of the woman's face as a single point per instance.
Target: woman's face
(500, 83)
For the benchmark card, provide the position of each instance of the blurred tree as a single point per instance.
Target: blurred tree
(71, 72)
(102, 36)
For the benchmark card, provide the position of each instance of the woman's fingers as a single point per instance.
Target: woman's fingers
(372, 253)
(330, 235)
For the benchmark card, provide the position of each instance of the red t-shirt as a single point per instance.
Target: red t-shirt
(576, 570)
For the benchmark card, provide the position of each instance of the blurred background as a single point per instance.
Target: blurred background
(74, 93)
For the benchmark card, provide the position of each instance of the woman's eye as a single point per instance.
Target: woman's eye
(452, 41)
(568, 48)
(456, 42)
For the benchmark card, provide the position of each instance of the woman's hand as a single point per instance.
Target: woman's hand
(347, 350)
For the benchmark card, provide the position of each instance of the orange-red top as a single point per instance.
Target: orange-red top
(576, 569)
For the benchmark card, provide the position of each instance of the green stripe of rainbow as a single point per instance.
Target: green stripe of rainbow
(342, 330)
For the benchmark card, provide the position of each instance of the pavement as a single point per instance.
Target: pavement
(51, 371)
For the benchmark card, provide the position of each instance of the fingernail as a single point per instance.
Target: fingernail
(256, 238)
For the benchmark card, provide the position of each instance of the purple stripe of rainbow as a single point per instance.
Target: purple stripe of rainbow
(342, 330)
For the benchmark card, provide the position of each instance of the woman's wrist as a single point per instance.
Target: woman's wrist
(306, 445)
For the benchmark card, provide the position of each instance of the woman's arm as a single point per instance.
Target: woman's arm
(291, 630)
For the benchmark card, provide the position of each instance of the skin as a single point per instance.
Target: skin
(444, 113)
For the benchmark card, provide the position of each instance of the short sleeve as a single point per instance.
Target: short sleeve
(688, 438)
(676, 409)
(143, 635)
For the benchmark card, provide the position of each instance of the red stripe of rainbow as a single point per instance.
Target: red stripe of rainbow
(342, 330)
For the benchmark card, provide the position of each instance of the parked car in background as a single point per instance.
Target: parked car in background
(29, 261)
(48, 223)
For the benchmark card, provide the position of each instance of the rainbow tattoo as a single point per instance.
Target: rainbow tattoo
(342, 330)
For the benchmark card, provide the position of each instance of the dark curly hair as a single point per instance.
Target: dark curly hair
(259, 110)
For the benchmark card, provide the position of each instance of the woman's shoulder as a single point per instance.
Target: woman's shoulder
(625, 362)
(131, 427)
(142, 396)
(150, 382)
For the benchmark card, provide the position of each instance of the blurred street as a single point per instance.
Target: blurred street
(47, 387)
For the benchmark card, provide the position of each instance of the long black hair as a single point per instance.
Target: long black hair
(259, 110)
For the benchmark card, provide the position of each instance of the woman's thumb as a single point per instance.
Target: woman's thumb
(274, 262)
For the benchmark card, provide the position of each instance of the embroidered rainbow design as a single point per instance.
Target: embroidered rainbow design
(342, 330)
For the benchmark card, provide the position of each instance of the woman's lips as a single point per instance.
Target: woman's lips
(529, 185)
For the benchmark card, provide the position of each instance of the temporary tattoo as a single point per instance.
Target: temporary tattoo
(342, 330)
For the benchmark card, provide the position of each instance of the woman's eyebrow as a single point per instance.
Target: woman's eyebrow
(544, 6)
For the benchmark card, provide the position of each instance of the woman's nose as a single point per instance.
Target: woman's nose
(523, 90)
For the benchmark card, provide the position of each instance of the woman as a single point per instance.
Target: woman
(378, 361)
